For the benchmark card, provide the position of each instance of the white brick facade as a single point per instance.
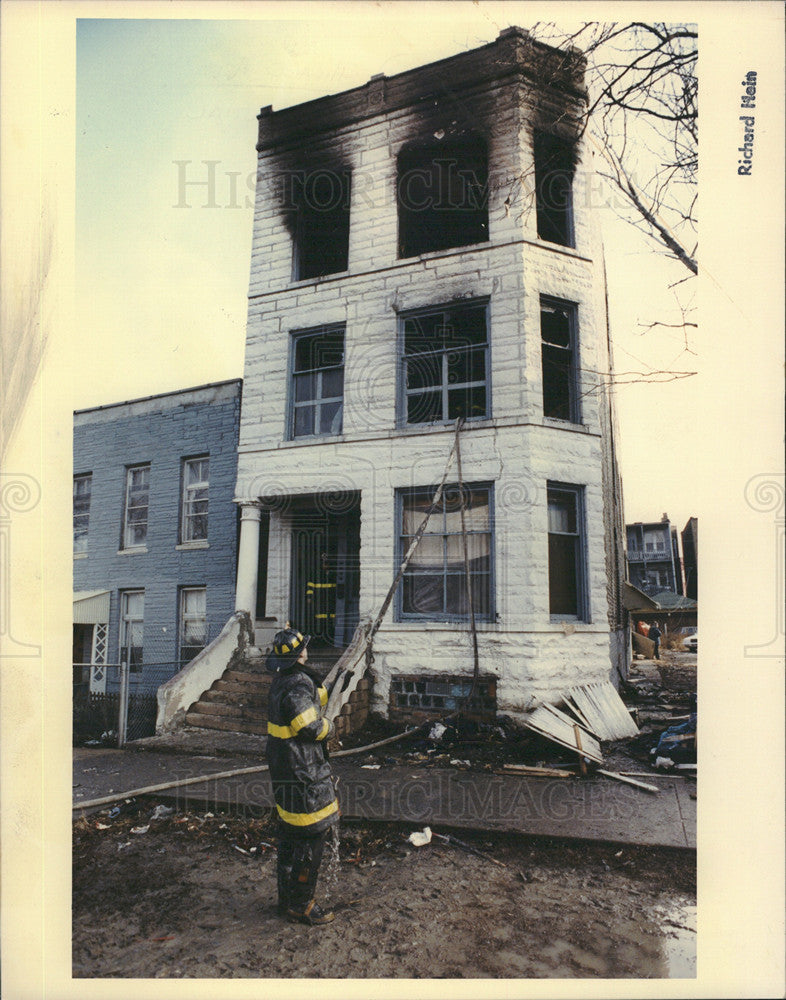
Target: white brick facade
(516, 449)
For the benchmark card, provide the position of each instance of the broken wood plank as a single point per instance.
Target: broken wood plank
(571, 704)
(628, 781)
(582, 762)
(604, 711)
(535, 772)
(548, 721)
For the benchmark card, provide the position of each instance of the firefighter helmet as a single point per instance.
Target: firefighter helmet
(288, 644)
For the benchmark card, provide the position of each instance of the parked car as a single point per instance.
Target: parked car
(691, 642)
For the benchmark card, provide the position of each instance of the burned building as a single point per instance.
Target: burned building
(423, 253)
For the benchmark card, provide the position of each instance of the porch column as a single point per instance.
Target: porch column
(248, 557)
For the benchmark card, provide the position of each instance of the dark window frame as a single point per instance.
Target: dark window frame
(448, 207)
(444, 388)
(402, 543)
(555, 170)
(313, 216)
(550, 349)
(580, 584)
(318, 400)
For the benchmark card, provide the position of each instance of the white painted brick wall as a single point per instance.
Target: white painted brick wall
(518, 451)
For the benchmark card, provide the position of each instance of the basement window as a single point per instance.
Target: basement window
(554, 169)
(321, 223)
(558, 355)
(567, 572)
(442, 193)
(445, 364)
(317, 384)
(434, 585)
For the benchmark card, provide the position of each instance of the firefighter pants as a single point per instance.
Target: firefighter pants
(299, 858)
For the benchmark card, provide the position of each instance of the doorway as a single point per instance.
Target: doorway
(325, 578)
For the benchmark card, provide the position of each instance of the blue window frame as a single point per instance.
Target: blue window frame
(317, 382)
(434, 584)
(568, 598)
(444, 366)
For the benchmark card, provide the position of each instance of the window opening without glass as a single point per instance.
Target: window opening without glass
(442, 190)
(554, 169)
(321, 199)
(558, 355)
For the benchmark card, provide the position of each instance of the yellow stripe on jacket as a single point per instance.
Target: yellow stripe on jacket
(306, 819)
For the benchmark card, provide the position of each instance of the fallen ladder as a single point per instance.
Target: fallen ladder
(356, 658)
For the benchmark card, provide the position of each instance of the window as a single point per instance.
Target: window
(132, 614)
(321, 201)
(434, 584)
(554, 168)
(82, 489)
(196, 478)
(445, 364)
(137, 501)
(558, 354)
(442, 195)
(317, 382)
(567, 587)
(654, 542)
(193, 623)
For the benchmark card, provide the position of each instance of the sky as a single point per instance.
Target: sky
(166, 127)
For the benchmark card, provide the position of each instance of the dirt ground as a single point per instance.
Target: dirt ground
(194, 896)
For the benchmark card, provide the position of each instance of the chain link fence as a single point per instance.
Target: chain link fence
(117, 702)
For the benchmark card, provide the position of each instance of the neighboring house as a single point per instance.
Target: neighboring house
(423, 251)
(690, 557)
(672, 612)
(653, 556)
(155, 532)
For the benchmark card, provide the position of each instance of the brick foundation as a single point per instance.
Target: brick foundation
(417, 698)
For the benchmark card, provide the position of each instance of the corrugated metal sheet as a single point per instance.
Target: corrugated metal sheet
(91, 606)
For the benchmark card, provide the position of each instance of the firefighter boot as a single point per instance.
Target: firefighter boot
(284, 876)
(312, 914)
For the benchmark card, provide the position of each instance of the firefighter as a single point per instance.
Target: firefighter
(299, 770)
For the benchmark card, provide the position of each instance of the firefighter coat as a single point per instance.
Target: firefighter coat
(297, 733)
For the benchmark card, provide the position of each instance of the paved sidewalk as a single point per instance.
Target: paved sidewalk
(587, 809)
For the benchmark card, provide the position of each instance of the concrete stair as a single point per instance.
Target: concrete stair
(236, 702)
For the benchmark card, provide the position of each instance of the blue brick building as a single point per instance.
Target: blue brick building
(155, 532)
